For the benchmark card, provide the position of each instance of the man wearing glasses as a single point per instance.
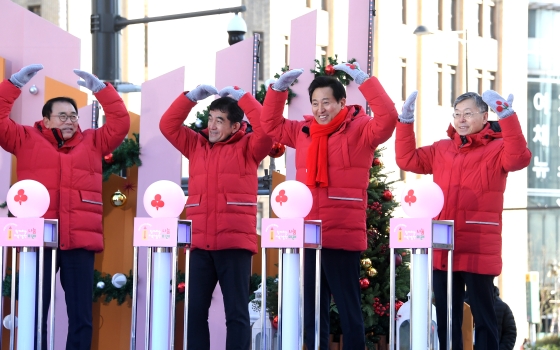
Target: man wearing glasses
(67, 161)
(471, 167)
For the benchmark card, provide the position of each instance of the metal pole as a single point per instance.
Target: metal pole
(317, 298)
(134, 299)
(186, 316)
(173, 296)
(370, 44)
(40, 274)
(280, 273)
(411, 292)
(301, 286)
(148, 297)
(52, 301)
(256, 61)
(263, 299)
(392, 298)
(13, 298)
(430, 278)
(449, 297)
(95, 114)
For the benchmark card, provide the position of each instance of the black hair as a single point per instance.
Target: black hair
(480, 104)
(47, 108)
(338, 89)
(228, 105)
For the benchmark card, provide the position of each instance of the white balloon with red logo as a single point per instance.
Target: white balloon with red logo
(164, 199)
(291, 199)
(28, 199)
(421, 199)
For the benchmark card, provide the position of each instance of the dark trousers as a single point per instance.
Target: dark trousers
(76, 278)
(340, 275)
(232, 268)
(481, 300)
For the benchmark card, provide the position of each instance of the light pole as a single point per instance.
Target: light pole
(423, 30)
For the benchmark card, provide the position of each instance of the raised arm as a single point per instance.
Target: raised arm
(273, 122)
(260, 143)
(171, 123)
(381, 127)
(11, 133)
(110, 135)
(409, 158)
(515, 155)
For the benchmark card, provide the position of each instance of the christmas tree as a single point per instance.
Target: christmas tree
(375, 269)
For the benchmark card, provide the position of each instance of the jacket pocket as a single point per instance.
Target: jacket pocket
(346, 194)
(193, 201)
(482, 218)
(91, 197)
(241, 199)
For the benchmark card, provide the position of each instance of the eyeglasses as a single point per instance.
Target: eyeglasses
(64, 117)
(467, 115)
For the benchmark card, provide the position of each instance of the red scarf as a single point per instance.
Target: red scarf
(317, 154)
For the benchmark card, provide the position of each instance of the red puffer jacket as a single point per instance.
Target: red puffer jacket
(472, 177)
(342, 205)
(223, 182)
(71, 173)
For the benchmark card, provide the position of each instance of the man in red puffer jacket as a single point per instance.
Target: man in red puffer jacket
(222, 204)
(471, 167)
(334, 152)
(67, 161)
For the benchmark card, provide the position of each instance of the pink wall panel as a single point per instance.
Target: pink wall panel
(358, 22)
(234, 65)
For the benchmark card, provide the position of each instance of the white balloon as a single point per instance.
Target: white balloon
(164, 199)
(291, 199)
(28, 199)
(421, 199)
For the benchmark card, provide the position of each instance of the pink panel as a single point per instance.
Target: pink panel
(303, 51)
(157, 96)
(36, 41)
(85, 117)
(358, 22)
(234, 65)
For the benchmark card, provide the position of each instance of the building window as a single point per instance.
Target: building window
(492, 80)
(403, 79)
(441, 14)
(404, 11)
(36, 9)
(440, 83)
(308, 3)
(493, 21)
(261, 55)
(286, 51)
(324, 54)
(452, 83)
(324, 5)
(532, 23)
(453, 17)
(479, 81)
(259, 215)
(480, 19)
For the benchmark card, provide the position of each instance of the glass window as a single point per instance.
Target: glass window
(452, 84)
(403, 79)
(440, 83)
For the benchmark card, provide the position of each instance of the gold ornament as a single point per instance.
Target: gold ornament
(366, 262)
(118, 199)
(371, 272)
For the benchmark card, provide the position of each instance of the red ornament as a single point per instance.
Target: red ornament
(376, 161)
(277, 150)
(329, 70)
(387, 195)
(364, 283)
(403, 253)
(181, 287)
(398, 260)
(275, 322)
(109, 158)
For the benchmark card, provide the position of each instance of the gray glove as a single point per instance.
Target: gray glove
(90, 81)
(22, 77)
(287, 79)
(353, 70)
(500, 106)
(407, 115)
(234, 92)
(201, 92)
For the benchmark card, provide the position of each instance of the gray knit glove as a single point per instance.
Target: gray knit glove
(353, 70)
(25, 74)
(407, 115)
(287, 79)
(234, 92)
(500, 106)
(90, 81)
(201, 92)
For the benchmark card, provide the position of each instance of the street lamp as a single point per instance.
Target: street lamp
(423, 30)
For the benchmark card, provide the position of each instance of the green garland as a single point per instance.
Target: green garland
(109, 291)
(125, 156)
(328, 70)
